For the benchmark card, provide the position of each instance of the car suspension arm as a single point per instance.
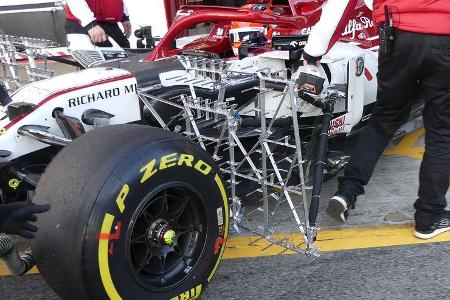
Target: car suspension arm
(319, 165)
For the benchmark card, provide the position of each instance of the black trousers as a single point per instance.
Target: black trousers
(112, 29)
(418, 65)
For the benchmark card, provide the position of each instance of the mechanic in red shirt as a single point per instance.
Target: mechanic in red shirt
(99, 19)
(416, 62)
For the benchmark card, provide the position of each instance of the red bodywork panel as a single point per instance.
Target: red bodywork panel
(293, 19)
(217, 41)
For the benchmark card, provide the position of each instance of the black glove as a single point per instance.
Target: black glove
(311, 60)
(15, 218)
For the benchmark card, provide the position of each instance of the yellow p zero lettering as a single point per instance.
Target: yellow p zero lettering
(192, 294)
(203, 167)
(148, 171)
(103, 262)
(168, 161)
(122, 196)
(186, 159)
(195, 293)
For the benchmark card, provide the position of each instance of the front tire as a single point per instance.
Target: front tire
(137, 213)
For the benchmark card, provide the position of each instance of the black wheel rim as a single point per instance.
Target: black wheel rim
(166, 237)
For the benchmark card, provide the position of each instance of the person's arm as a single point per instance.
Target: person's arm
(334, 18)
(80, 9)
(126, 14)
(82, 12)
(126, 22)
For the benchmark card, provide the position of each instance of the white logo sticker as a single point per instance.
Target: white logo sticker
(220, 216)
(219, 32)
(354, 26)
(185, 13)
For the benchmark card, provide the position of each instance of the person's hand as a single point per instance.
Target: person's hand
(97, 34)
(311, 60)
(127, 28)
(15, 218)
(315, 63)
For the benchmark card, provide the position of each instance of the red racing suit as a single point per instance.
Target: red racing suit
(90, 11)
(421, 16)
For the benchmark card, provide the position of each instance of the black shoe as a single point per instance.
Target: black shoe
(440, 225)
(340, 205)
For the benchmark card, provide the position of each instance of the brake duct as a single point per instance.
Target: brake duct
(41, 134)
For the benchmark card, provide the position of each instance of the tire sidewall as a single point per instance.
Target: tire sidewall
(106, 241)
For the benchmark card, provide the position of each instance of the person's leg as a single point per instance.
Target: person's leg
(435, 168)
(114, 31)
(397, 87)
(431, 216)
(363, 160)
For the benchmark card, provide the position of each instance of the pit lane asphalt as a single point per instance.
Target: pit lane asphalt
(407, 272)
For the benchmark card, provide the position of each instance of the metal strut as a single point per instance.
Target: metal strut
(265, 171)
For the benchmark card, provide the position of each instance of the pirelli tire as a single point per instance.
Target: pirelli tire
(136, 213)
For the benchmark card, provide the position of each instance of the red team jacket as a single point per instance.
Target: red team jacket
(110, 11)
(422, 16)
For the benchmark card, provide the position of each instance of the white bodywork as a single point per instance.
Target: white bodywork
(110, 90)
(114, 91)
(342, 62)
(89, 55)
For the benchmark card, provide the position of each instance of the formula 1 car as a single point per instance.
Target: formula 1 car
(144, 212)
(231, 28)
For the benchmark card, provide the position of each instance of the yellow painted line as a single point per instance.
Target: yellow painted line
(4, 272)
(327, 240)
(407, 146)
(332, 240)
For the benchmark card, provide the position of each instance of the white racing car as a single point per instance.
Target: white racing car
(144, 212)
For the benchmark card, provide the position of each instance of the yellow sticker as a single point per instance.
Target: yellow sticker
(14, 183)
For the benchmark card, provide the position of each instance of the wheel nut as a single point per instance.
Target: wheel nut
(169, 237)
